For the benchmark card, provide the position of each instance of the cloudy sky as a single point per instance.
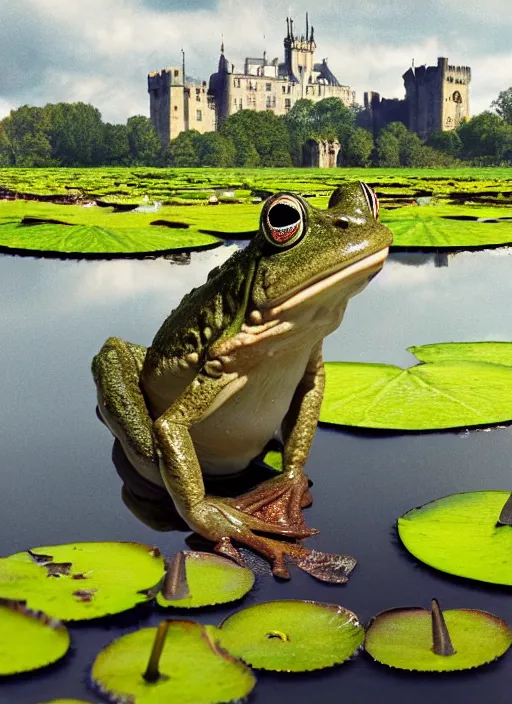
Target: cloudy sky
(100, 51)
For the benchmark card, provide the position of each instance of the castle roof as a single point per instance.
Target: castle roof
(326, 74)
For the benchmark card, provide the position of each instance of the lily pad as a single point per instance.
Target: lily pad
(81, 580)
(402, 638)
(492, 352)
(93, 239)
(459, 534)
(292, 636)
(432, 396)
(29, 640)
(196, 579)
(440, 233)
(191, 668)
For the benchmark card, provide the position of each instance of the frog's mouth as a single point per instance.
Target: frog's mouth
(369, 266)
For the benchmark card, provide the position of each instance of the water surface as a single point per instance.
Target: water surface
(58, 483)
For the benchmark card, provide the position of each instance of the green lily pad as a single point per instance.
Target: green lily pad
(92, 239)
(190, 668)
(459, 534)
(402, 638)
(492, 352)
(81, 580)
(292, 636)
(202, 579)
(433, 396)
(66, 701)
(440, 233)
(29, 640)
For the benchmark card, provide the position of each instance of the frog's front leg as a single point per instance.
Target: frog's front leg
(213, 518)
(298, 429)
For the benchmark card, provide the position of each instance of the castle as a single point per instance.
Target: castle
(437, 97)
(176, 106)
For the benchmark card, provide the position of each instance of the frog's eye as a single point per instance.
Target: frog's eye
(371, 199)
(283, 221)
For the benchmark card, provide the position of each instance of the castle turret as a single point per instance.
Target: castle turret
(299, 54)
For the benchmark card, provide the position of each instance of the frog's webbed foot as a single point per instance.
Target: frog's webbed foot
(219, 521)
(275, 551)
(279, 501)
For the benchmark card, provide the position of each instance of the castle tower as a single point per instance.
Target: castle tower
(167, 102)
(219, 89)
(437, 97)
(299, 55)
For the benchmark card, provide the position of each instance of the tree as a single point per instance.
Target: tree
(299, 121)
(503, 105)
(486, 137)
(216, 150)
(359, 148)
(388, 149)
(27, 132)
(145, 146)
(6, 155)
(265, 132)
(76, 133)
(116, 146)
(183, 151)
(447, 142)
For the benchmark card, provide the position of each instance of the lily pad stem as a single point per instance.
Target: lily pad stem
(152, 673)
(442, 644)
(505, 518)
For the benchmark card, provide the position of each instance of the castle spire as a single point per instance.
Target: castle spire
(287, 27)
(222, 46)
(307, 26)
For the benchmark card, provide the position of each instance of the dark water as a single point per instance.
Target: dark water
(58, 483)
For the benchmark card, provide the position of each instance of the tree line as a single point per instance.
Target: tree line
(74, 134)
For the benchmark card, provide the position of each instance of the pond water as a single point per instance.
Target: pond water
(58, 483)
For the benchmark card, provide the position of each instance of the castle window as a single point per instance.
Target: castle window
(236, 83)
(457, 97)
(269, 101)
(268, 86)
(175, 108)
(287, 103)
(176, 73)
(284, 89)
(199, 115)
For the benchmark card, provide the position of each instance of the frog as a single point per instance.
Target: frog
(239, 363)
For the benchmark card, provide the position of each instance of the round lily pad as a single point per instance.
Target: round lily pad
(438, 232)
(190, 668)
(459, 534)
(196, 579)
(492, 352)
(292, 636)
(28, 640)
(402, 638)
(81, 580)
(433, 396)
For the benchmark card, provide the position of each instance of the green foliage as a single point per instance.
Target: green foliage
(446, 142)
(76, 134)
(359, 148)
(503, 105)
(486, 137)
(116, 145)
(388, 150)
(144, 143)
(183, 151)
(27, 130)
(215, 149)
(260, 138)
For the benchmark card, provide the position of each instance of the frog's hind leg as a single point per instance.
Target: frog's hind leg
(116, 370)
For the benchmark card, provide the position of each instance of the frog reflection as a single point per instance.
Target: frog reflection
(240, 360)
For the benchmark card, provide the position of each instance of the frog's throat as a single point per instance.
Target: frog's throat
(368, 265)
